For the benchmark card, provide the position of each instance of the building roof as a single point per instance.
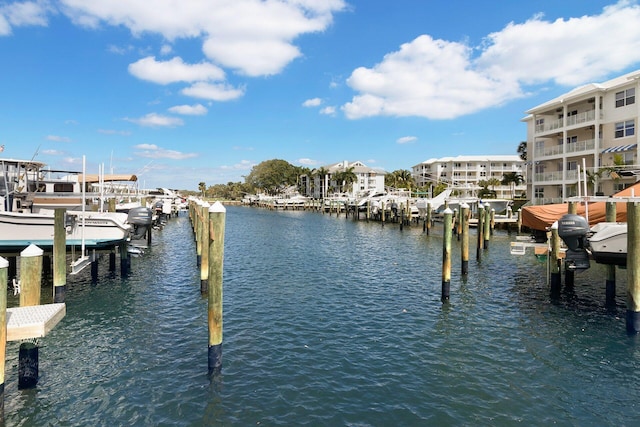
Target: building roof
(484, 158)
(588, 89)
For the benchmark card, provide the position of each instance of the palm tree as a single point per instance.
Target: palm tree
(322, 173)
(202, 187)
(512, 179)
(522, 150)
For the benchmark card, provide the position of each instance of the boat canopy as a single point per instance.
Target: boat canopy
(541, 217)
(93, 178)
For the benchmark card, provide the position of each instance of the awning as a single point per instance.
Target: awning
(619, 148)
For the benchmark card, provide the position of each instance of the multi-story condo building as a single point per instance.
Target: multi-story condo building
(589, 132)
(326, 180)
(464, 173)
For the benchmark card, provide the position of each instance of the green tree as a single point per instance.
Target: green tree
(272, 176)
(322, 173)
(512, 179)
(345, 179)
(522, 150)
(202, 187)
(400, 178)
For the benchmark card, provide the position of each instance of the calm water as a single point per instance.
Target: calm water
(328, 321)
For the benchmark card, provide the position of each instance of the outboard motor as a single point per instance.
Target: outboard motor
(140, 218)
(573, 230)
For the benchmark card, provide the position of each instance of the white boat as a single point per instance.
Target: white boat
(608, 243)
(605, 242)
(96, 229)
(27, 203)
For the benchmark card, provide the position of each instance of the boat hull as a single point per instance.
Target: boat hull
(19, 229)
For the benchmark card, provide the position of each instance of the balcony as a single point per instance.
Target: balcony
(580, 119)
(580, 146)
(575, 148)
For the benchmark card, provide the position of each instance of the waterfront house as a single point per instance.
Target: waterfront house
(590, 128)
(466, 172)
(330, 179)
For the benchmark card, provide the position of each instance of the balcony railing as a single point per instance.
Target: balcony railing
(577, 119)
(587, 116)
(570, 148)
(576, 147)
(548, 176)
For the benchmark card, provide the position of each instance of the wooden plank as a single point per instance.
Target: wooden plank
(34, 321)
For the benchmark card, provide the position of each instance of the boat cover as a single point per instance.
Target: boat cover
(541, 217)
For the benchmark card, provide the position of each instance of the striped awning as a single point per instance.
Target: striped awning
(619, 148)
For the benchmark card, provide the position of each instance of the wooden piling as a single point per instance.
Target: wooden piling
(487, 225)
(428, 218)
(124, 259)
(464, 238)
(30, 288)
(59, 257)
(480, 235)
(610, 283)
(217, 216)
(30, 275)
(198, 232)
(633, 267)
(204, 257)
(554, 261)
(4, 278)
(446, 254)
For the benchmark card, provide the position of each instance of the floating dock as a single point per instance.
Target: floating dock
(33, 321)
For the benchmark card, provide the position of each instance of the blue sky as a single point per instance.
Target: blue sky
(181, 91)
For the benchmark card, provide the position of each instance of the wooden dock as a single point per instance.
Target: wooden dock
(33, 321)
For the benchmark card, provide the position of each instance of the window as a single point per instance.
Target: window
(572, 139)
(626, 97)
(539, 193)
(572, 166)
(625, 129)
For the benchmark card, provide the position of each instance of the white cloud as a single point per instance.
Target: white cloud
(242, 165)
(307, 162)
(328, 111)
(114, 132)
(152, 151)
(254, 37)
(57, 138)
(28, 13)
(406, 139)
(439, 79)
(156, 120)
(166, 49)
(214, 92)
(174, 70)
(189, 110)
(313, 102)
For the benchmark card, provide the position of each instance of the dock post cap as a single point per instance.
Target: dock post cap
(31, 251)
(217, 207)
(4, 263)
(206, 204)
(447, 211)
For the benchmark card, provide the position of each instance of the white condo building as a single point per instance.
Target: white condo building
(322, 181)
(465, 172)
(592, 129)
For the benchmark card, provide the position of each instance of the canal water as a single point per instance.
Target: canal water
(328, 321)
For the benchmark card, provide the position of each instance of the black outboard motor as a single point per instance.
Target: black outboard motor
(140, 218)
(573, 230)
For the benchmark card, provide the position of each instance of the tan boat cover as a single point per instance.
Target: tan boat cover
(92, 178)
(543, 216)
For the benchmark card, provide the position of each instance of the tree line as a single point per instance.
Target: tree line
(274, 176)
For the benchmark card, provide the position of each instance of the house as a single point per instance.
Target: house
(465, 173)
(328, 180)
(588, 132)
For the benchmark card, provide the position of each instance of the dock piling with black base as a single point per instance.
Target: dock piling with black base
(217, 216)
